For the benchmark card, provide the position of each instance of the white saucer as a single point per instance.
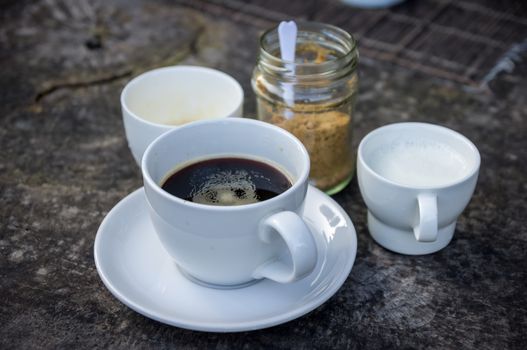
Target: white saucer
(135, 268)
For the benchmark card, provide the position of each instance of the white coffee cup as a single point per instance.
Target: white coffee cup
(231, 246)
(164, 98)
(416, 179)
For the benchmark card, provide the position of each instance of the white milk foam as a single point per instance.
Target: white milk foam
(419, 162)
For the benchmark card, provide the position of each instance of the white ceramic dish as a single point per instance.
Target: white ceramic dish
(372, 4)
(134, 267)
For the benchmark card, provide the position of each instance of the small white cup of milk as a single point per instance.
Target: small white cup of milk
(416, 179)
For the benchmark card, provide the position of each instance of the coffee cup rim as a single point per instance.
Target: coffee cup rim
(298, 183)
(402, 125)
(136, 80)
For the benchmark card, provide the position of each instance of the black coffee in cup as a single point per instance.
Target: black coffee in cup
(227, 181)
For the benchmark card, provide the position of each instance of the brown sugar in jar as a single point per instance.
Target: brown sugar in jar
(323, 82)
(327, 139)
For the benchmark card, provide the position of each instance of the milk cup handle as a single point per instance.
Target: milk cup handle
(300, 244)
(426, 228)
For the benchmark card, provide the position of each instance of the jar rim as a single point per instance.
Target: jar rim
(306, 26)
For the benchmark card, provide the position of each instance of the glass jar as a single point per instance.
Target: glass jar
(312, 97)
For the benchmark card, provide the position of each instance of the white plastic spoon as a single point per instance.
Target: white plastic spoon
(287, 32)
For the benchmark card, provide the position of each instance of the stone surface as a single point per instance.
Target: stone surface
(64, 163)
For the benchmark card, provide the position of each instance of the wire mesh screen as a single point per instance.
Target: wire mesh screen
(455, 40)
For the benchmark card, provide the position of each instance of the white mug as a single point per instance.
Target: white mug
(416, 179)
(164, 98)
(232, 246)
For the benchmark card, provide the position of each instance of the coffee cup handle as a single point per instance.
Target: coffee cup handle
(300, 243)
(426, 228)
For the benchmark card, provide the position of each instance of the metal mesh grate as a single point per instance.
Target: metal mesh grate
(455, 40)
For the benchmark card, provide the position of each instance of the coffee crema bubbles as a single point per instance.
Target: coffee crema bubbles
(227, 181)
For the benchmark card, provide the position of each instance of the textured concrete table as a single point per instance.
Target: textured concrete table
(64, 163)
